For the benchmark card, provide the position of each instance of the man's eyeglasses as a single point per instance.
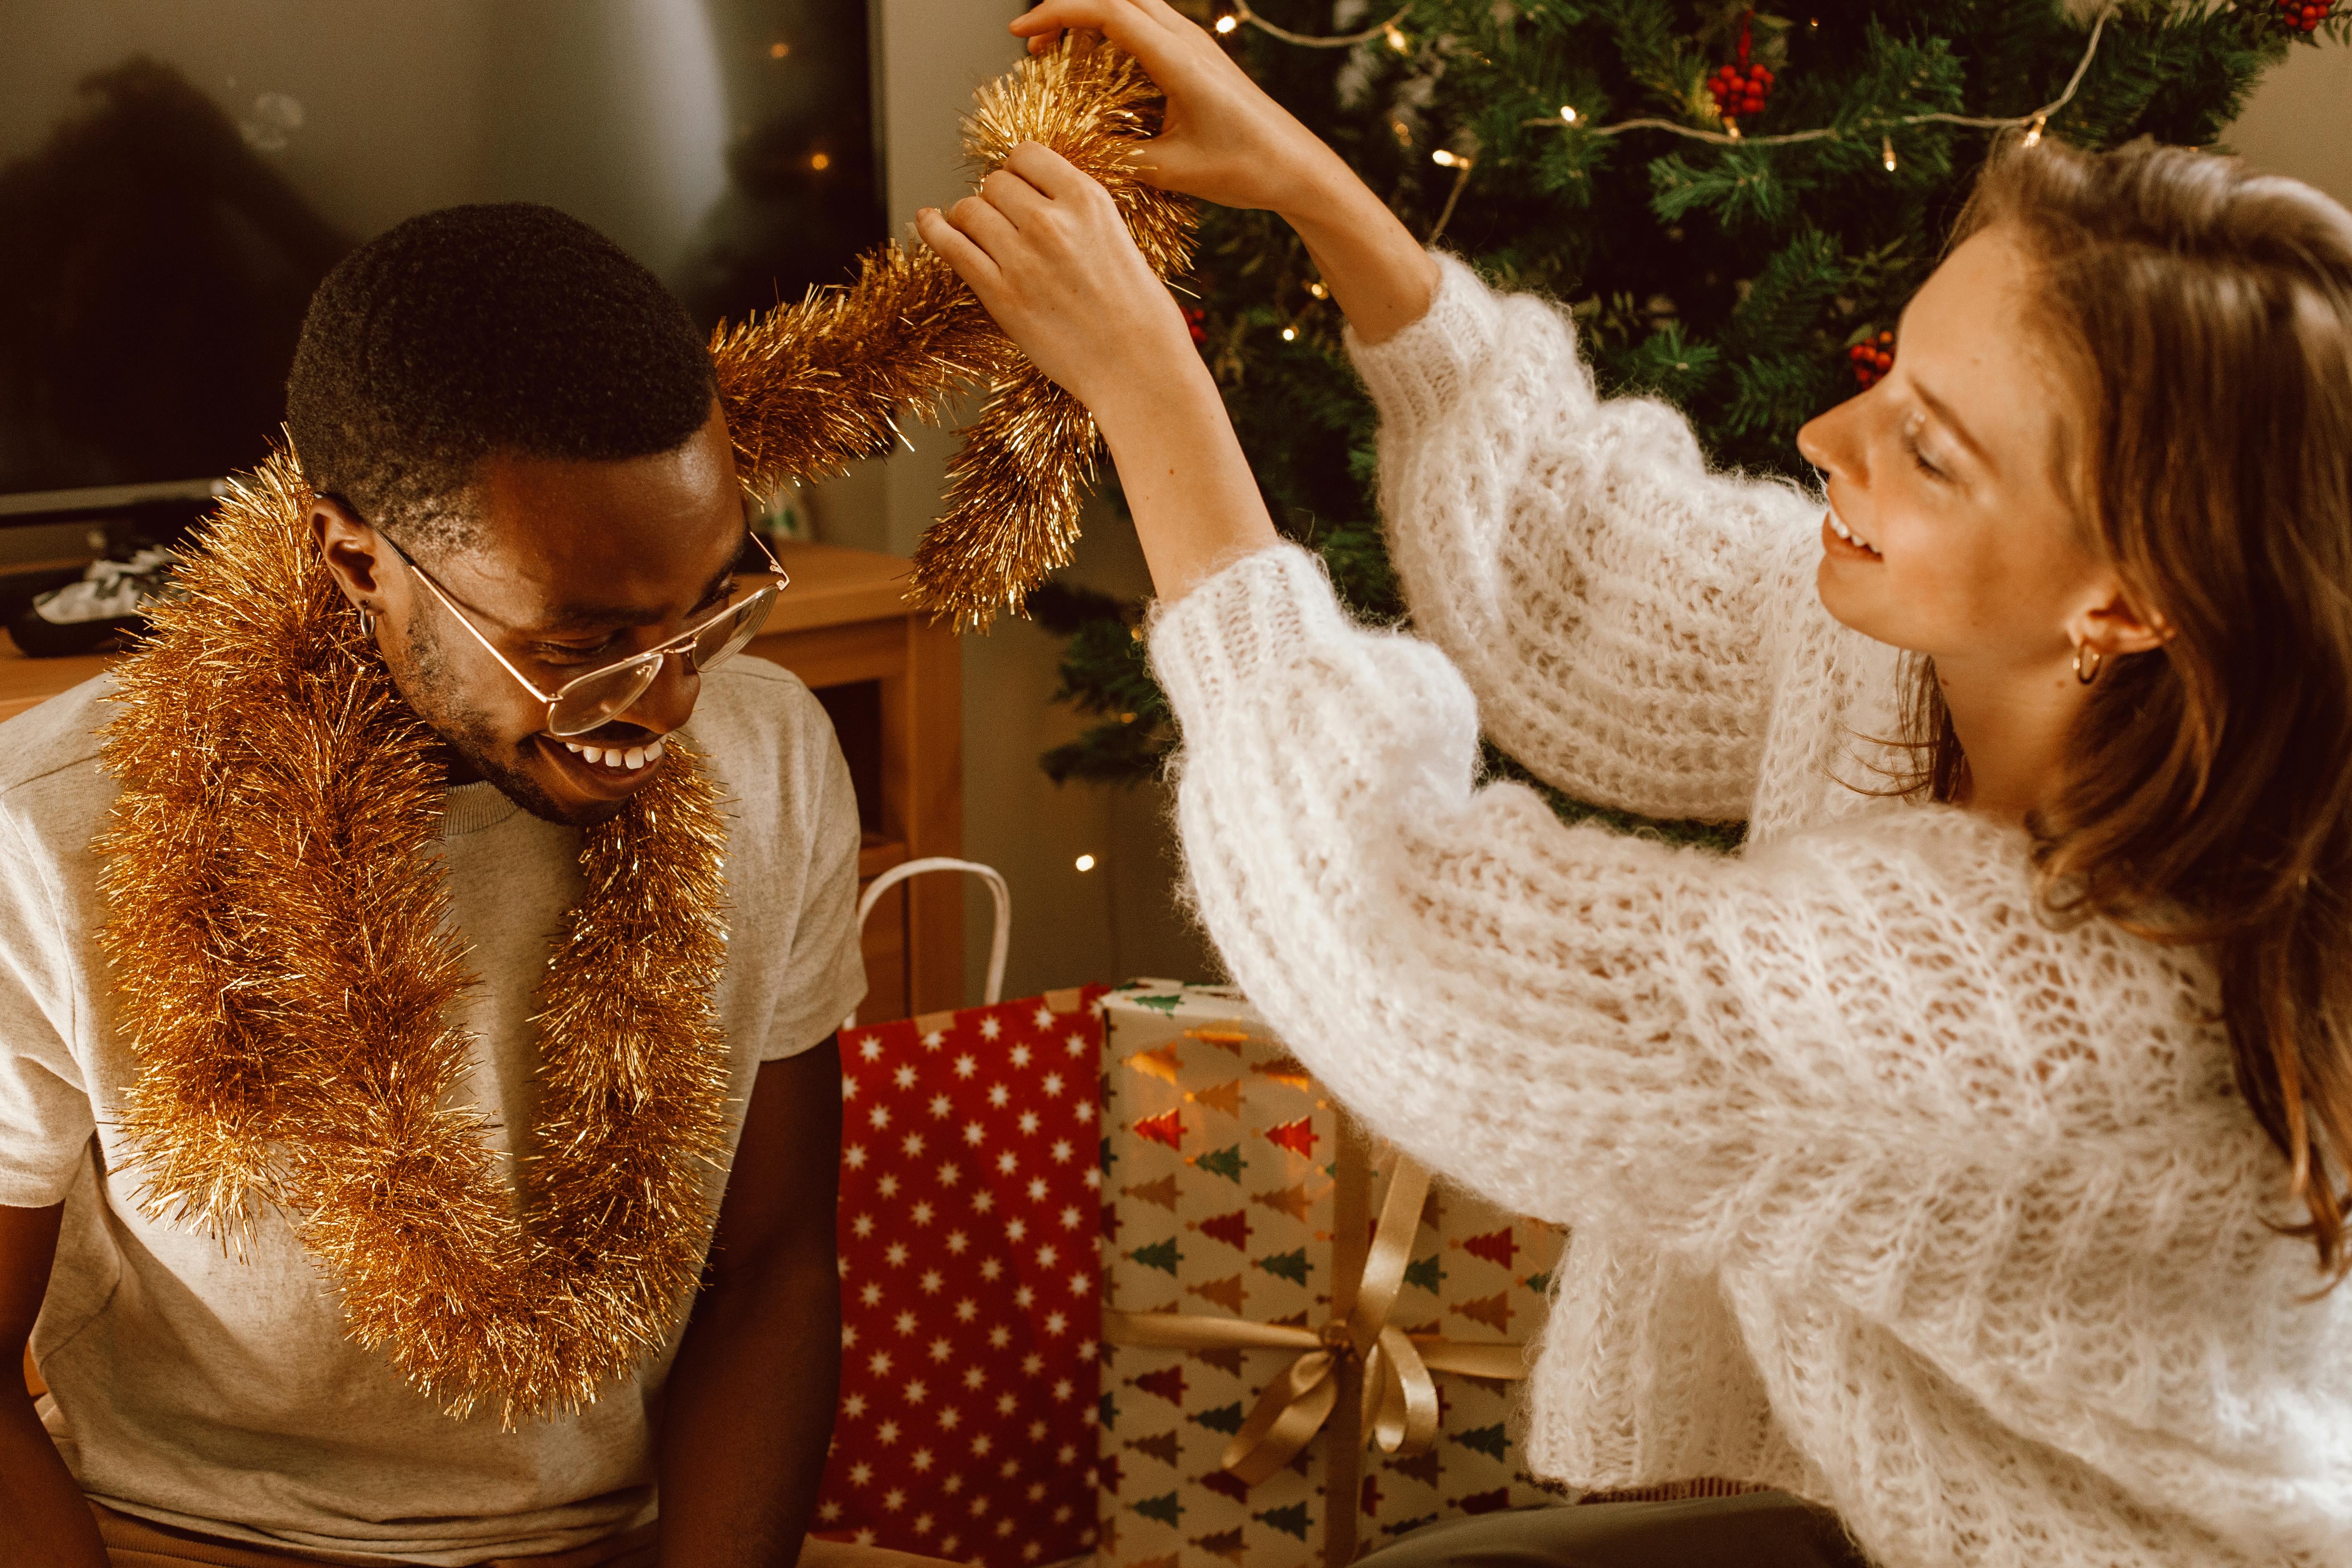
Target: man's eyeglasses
(606, 692)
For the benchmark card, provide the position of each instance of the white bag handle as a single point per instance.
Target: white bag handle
(989, 874)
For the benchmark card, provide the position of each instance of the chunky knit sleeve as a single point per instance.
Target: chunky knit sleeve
(1608, 598)
(1837, 1054)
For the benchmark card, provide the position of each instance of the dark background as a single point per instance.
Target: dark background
(174, 181)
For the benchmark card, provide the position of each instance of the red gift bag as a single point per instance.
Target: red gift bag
(971, 1197)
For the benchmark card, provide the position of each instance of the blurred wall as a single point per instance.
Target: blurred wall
(2298, 122)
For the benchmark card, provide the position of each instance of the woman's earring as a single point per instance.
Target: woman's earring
(367, 625)
(2087, 673)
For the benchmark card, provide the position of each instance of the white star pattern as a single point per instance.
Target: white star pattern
(906, 1287)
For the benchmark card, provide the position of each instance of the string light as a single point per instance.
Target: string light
(1397, 40)
(1317, 289)
(1567, 115)
(1445, 160)
(1227, 24)
(820, 161)
(1290, 335)
(1887, 152)
(1086, 862)
(2034, 135)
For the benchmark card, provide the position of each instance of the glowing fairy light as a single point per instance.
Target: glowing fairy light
(1887, 152)
(1567, 113)
(1227, 24)
(1444, 160)
(1397, 40)
(1290, 335)
(2034, 132)
(1086, 862)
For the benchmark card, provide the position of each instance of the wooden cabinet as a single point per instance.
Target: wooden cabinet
(891, 681)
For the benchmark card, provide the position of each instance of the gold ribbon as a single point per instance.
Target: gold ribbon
(1397, 1403)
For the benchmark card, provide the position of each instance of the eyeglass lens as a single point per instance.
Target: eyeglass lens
(605, 694)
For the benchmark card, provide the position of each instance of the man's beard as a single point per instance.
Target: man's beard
(433, 690)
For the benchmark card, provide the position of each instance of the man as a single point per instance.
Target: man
(517, 478)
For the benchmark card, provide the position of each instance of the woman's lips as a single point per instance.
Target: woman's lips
(1840, 540)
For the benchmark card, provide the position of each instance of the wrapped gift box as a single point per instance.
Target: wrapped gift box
(1233, 1195)
(969, 1196)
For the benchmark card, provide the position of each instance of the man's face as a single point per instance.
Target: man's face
(573, 565)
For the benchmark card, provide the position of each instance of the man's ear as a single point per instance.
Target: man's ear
(351, 551)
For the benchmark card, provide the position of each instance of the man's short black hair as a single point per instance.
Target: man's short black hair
(473, 330)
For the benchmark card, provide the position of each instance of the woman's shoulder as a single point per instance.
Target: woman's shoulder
(1945, 944)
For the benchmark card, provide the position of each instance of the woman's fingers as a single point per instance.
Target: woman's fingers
(1126, 23)
(972, 263)
(1015, 190)
(1044, 174)
(980, 221)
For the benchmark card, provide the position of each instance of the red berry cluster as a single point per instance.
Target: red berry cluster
(1872, 358)
(1740, 89)
(1195, 323)
(2303, 16)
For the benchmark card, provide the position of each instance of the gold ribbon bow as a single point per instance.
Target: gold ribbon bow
(1398, 1402)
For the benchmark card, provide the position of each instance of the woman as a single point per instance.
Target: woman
(1966, 1158)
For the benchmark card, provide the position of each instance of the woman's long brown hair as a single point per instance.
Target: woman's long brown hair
(2204, 314)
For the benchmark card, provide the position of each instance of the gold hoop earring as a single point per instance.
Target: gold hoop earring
(2085, 675)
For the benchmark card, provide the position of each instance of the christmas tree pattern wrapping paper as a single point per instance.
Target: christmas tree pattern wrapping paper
(1230, 1187)
(970, 1192)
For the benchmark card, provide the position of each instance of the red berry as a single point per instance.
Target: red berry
(1763, 76)
(1886, 361)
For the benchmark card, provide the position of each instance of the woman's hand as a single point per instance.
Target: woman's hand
(1223, 140)
(1046, 250)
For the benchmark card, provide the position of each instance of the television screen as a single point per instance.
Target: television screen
(176, 176)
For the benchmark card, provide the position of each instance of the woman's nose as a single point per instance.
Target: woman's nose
(1828, 441)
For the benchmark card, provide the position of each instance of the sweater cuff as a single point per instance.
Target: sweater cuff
(1424, 370)
(1237, 628)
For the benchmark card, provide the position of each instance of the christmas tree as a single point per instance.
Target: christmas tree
(1736, 205)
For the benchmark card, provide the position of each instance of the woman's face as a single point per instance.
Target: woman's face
(1957, 538)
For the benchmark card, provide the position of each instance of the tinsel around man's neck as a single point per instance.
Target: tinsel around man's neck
(281, 964)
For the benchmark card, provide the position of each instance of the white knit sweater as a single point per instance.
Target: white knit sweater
(1884, 1190)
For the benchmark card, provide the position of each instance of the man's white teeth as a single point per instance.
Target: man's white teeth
(629, 758)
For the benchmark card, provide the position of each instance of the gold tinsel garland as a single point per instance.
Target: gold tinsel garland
(276, 936)
(809, 388)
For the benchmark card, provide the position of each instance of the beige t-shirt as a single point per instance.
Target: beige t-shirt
(219, 1394)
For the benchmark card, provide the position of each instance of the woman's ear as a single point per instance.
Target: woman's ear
(2119, 627)
(350, 550)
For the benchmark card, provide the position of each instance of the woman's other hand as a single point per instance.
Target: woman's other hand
(1044, 247)
(1222, 139)
(1047, 252)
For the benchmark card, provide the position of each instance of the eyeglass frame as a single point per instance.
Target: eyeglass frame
(681, 645)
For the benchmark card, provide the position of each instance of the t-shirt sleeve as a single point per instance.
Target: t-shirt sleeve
(44, 1114)
(826, 970)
